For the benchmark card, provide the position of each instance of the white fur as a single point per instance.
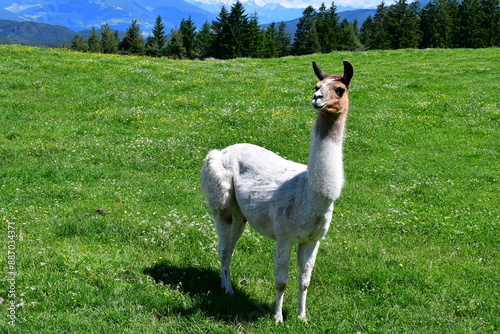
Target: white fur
(289, 202)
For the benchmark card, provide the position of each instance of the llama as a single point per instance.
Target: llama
(289, 202)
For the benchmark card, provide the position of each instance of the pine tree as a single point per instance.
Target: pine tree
(152, 48)
(238, 22)
(94, 42)
(412, 36)
(175, 48)
(380, 36)
(133, 42)
(306, 36)
(491, 8)
(254, 38)
(486, 29)
(403, 25)
(471, 17)
(109, 40)
(205, 40)
(349, 39)
(222, 45)
(156, 43)
(78, 43)
(366, 32)
(188, 35)
(328, 28)
(269, 48)
(437, 24)
(283, 41)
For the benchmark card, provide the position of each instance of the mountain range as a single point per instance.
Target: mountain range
(79, 15)
(84, 14)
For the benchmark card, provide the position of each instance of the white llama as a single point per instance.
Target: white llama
(283, 200)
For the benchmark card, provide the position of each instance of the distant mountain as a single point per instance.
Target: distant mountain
(267, 10)
(85, 14)
(6, 15)
(35, 32)
(359, 14)
(62, 17)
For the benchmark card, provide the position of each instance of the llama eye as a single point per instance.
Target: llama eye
(340, 91)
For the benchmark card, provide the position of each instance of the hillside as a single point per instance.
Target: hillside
(85, 14)
(13, 41)
(100, 159)
(34, 32)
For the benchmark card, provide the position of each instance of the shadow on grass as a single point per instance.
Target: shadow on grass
(202, 285)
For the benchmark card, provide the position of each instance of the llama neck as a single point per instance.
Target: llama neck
(325, 167)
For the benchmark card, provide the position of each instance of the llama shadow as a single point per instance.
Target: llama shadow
(202, 285)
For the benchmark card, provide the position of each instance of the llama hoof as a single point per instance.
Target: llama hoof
(229, 291)
(278, 318)
(303, 318)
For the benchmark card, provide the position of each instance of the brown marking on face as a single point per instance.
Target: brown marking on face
(331, 95)
(332, 100)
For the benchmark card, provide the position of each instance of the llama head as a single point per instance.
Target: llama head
(331, 91)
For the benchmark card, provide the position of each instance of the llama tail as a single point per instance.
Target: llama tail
(217, 181)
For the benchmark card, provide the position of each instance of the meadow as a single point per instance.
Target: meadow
(105, 229)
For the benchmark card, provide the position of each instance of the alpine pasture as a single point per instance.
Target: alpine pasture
(105, 228)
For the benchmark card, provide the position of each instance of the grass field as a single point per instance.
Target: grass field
(105, 230)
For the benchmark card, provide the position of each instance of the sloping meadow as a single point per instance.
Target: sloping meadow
(105, 228)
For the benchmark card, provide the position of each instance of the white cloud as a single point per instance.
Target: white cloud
(15, 8)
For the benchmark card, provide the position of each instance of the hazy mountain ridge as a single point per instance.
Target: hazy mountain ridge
(359, 14)
(85, 14)
(80, 15)
(34, 31)
(267, 11)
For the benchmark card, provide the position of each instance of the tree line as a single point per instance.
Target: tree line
(439, 24)
(233, 34)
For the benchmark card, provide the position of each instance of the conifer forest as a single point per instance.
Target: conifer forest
(235, 34)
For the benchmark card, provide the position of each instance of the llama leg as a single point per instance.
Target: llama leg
(306, 256)
(237, 228)
(223, 220)
(281, 272)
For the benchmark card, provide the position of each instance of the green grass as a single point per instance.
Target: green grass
(99, 178)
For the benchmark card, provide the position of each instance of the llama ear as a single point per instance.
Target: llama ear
(319, 72)
(348, 73)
